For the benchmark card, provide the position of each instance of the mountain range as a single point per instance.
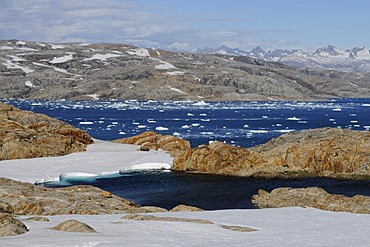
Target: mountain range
(79, 71)
(329, 57)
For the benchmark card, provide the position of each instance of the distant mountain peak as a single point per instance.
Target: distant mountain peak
(356, 59)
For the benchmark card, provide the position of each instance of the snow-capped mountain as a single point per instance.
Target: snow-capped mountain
(329, 57)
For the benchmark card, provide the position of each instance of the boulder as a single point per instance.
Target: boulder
(10, 226)
(38, 218)
(73, 226)
(185, 208)
(315, 197)
(152, 140)
(24, 134)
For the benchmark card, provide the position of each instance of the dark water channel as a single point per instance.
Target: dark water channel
(211, 192)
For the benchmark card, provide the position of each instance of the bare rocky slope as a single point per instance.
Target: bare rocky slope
(116, 71)
(24, 134)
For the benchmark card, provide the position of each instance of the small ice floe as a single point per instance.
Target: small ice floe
(258, 131)
(161, 128)
(285, 131)
(86, 123)
(293, 119)
(200, 103)
(206, 133)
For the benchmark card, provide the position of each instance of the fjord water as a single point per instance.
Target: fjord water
(237, 123)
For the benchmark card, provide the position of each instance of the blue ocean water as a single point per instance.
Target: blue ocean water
(237, 123)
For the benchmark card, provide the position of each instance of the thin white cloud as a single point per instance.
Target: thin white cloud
(116, 22)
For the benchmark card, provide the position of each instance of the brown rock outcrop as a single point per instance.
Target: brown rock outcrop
(218, 158)
(150, 139)
(10, 226)
(73, 226)
(27, 199)
(312, 197)
(330, 152)
(185, 208)
(24, 134)
(338, 153)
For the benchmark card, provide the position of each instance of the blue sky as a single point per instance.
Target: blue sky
(188, 25)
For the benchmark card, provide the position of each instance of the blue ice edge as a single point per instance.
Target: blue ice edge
(72, 178)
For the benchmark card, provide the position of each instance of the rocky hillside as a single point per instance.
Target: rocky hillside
(117, 71)
(24, 134)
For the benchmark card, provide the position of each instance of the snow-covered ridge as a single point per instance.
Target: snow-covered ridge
(356, 59)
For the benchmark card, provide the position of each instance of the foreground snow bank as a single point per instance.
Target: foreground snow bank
(275, 227)
(102, 159)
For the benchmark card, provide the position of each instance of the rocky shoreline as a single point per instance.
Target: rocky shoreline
(326, 152)
(24, 134)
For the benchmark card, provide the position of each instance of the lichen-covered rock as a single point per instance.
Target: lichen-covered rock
(10, 226)
(27, 199)
(218, 158)
(330, 152)
(311, 197)
(24, 134)
(73, 226)
(150, 139)
(185, 208)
